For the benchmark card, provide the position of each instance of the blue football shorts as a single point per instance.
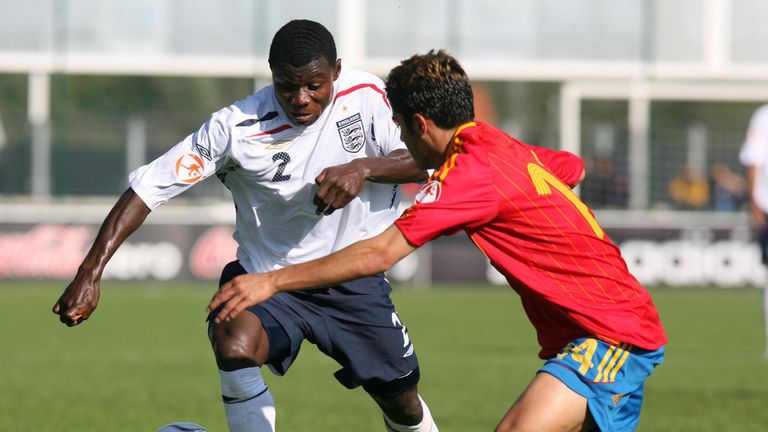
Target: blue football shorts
(354, 323)
(610, 377)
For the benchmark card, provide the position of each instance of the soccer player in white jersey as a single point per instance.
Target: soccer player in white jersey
(754, 156)
(313, 163)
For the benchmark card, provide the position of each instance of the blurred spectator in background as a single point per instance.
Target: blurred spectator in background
(754, 156)
(605, 186)
(689, 190)
(729, 189)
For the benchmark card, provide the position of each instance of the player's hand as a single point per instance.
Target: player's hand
(338, 186)
(78, 302)
(239, 293)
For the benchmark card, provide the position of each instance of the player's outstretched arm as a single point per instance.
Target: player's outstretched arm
(360, 259)
(81, 296)
(342, 183)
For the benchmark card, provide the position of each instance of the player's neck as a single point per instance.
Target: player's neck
(444, 140)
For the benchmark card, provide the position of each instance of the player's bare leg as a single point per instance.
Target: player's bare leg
(241, 346)
(406, 412)
(547, 405)
(239, 343)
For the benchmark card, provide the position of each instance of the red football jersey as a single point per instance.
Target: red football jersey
(515, 202)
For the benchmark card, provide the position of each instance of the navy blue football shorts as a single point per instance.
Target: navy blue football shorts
(611, 377)
(354, 323)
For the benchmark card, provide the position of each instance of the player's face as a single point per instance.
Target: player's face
(304, 92)
(416, 146)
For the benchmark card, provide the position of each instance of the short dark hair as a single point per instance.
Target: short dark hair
(300, 42)
(434, 85)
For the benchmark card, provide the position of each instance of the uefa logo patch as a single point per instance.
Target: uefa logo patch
(351, 133)
(189, 168)
(429, 193)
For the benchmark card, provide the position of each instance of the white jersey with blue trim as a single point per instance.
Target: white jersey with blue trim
(270, 165)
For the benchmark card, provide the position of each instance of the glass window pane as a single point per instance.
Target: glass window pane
(26, 25)
(750, 34)
(184, 27)
(15, 149)
(678, 33)
(498, 29)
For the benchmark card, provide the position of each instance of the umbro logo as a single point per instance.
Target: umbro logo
(204, 152)
(250, 122)
(409, 352)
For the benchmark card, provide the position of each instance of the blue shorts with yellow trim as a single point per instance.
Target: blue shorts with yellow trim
(610, 377)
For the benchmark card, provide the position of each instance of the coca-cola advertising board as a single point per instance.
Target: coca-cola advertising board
(158, 252)
(656, 256)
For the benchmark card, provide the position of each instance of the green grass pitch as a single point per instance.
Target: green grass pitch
(143, 360)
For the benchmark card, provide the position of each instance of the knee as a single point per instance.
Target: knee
(515, 424)
(510, 426)
(412, 411)
(404, 409)
(511, 423)
(234, 346)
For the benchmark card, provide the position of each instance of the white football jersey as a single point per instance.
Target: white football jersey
(755, 152)
(270, 165)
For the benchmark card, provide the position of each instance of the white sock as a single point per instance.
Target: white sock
(247, 402)
(765, 317)
(427, 423)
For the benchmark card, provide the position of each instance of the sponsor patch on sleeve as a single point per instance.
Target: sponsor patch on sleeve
(189, 168)
(429, 193)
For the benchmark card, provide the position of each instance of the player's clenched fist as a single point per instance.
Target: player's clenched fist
(338, 185)
(77, 303)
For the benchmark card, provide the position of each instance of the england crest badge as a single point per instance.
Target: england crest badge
(351, 133)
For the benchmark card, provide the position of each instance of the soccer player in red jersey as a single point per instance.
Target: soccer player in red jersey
(598, 329)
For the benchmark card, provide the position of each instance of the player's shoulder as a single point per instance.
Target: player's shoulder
(478, 143)
(354, 75)
(357, 83)
(253, 108)
(479, 135)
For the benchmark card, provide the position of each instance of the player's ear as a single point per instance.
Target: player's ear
(337, 69)
(420, 124)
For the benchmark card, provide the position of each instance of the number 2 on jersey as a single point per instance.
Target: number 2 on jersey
(543, 179)
(284, 158)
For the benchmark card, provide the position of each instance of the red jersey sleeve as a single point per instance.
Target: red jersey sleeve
(456, 198)
(564, 165)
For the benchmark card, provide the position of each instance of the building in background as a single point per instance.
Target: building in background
(641, 89)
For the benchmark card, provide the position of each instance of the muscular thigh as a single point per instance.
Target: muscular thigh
(546, 405)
